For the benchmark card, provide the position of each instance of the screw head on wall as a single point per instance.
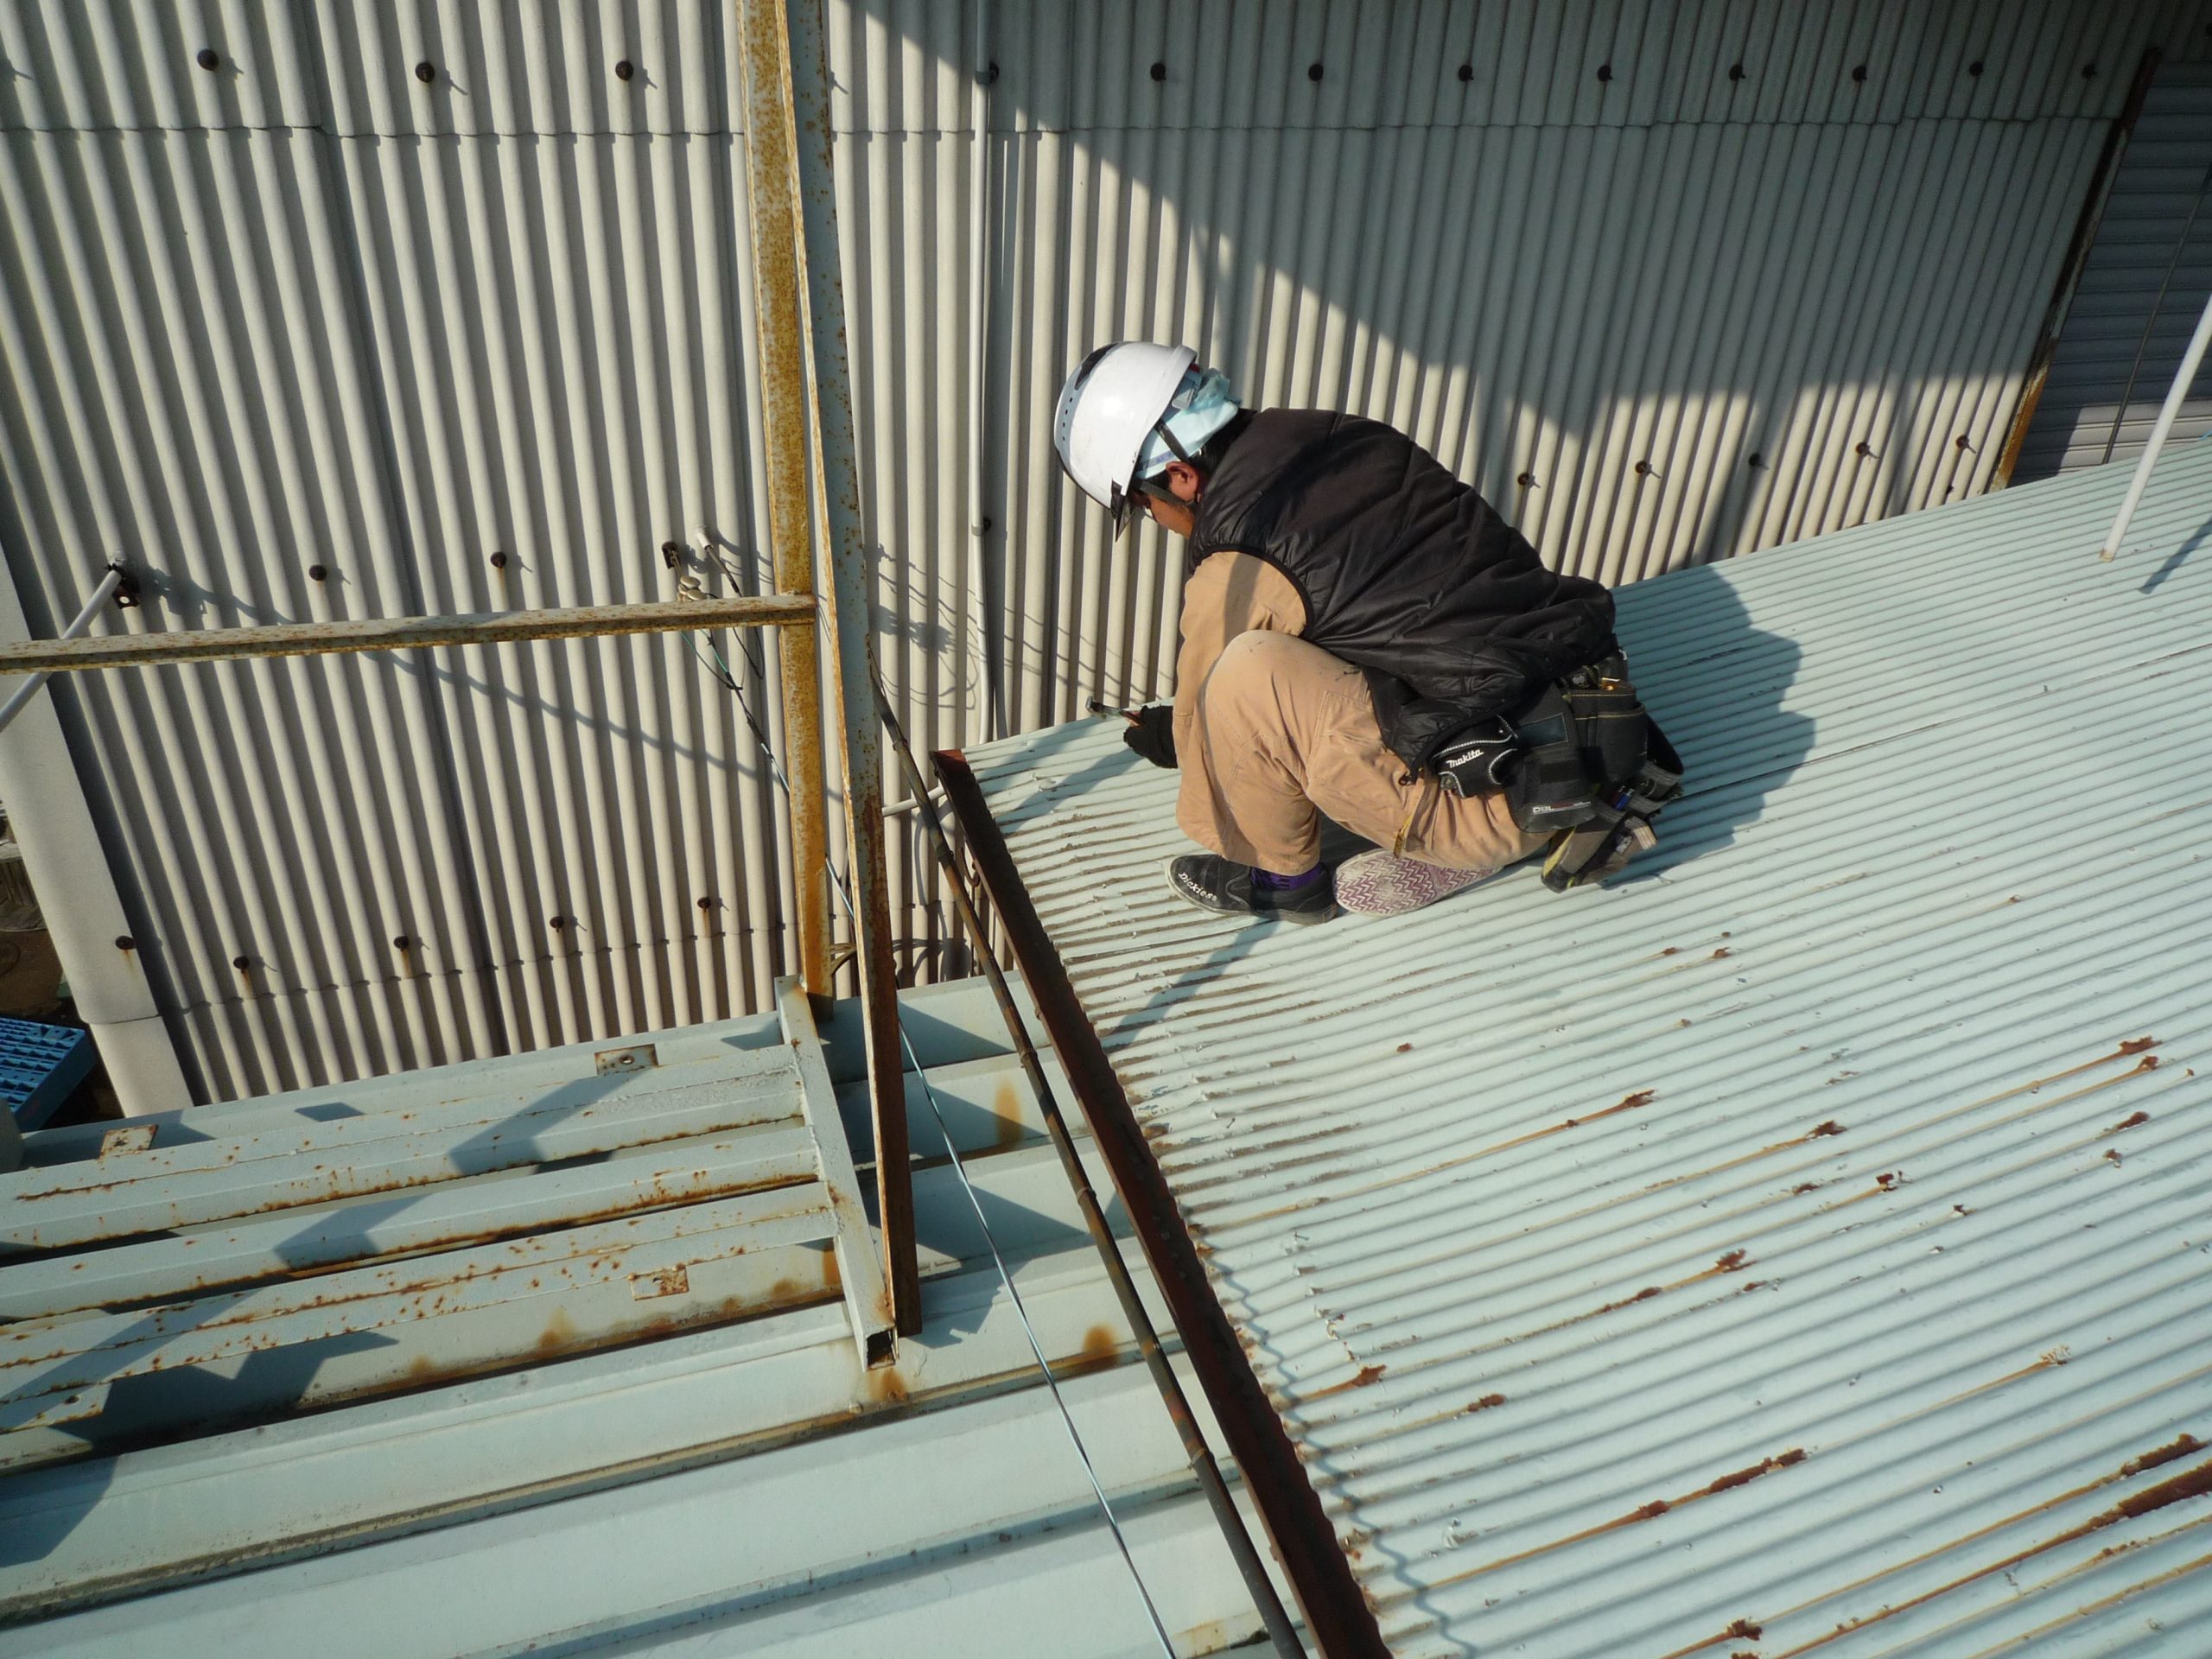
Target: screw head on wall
(207, 59)
(424, 72)
(318, 572)
(1466, 72)
(625, 69)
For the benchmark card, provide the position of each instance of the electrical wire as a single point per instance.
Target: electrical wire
(960, 1168)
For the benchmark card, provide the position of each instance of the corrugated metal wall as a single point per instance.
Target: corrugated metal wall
(389, 292)
(2143, 288)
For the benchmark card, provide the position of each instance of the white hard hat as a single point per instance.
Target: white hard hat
(1108, 410)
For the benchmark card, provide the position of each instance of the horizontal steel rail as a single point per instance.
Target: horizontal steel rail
(402, 633)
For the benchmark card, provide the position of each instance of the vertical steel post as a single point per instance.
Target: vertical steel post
(781, 324)
(795, 36)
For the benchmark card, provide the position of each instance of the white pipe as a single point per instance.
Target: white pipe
(979, 322)
(2182, 378)
(28, 689)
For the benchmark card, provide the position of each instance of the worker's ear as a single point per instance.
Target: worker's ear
(1185, 480)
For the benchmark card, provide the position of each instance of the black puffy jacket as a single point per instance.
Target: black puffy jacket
(1406, 572)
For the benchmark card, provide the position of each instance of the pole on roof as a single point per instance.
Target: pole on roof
(794, 220)
(2176, 394)
(779, 326)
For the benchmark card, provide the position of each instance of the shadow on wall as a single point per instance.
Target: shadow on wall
(1728, 293)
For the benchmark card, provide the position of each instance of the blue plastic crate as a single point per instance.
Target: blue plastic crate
(39, 1065)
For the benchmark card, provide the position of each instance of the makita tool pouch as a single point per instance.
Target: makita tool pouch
(1598, 770)
(1584, 734)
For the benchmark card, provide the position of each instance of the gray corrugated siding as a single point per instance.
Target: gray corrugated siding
(308, 308)
(2143, 288)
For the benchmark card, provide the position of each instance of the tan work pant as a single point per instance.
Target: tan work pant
(1282, 732)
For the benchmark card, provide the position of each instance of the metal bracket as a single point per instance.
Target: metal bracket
(126, 586)
(639, 1058)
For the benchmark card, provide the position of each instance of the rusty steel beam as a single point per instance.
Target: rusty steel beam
(402, 633)
(849, 610)
(780, 324)
(1338, 1615)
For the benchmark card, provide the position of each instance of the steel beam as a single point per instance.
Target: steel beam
(402, 633)
(849, 609)
(780, 327)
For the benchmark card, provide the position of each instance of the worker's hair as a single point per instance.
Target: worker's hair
(1210, 453)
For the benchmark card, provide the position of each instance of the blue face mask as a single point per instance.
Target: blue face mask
(1201, 405)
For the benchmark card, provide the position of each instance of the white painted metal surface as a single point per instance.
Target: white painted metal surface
(749, 1488)
(308, 308)
(1799, 1245)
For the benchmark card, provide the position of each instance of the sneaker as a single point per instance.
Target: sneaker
(1379, 883)
(1213, 882)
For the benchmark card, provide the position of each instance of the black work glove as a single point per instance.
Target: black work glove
(1152, 734)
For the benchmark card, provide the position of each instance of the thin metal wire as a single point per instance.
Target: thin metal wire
(960, 1167)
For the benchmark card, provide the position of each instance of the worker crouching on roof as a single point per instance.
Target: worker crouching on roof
(1364, 637)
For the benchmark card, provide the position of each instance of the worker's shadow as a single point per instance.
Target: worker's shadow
(1717, 686)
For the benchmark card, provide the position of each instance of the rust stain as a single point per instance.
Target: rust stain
(1007, 1104)
(1731, 1262)
(1830, 1128)
(1099, 1351)
(884, 1387)
(1745, 1629)
(2180, 1448)
(2129, 1122)
(1405, 1048)
(1625, 1103)
(560, 1330)
(1672, 950)
(1723, 951)
(2112, 1156)
(1643, 1295)
(1487, 1403)
(2194, 1483)
(2133, 1046)
(1360, 1379)
(1657, 1507)
(1745, 1476)
(1803, 1188)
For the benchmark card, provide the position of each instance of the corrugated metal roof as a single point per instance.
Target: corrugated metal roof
(305, 310)
(1800, 1244)
(740, 1483)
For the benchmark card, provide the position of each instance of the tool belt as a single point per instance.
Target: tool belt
(1583, 762)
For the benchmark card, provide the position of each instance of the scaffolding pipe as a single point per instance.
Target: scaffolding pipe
(982, 658)
(28, 689)
(69, 655)
(784, 40)
(2176, 395)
